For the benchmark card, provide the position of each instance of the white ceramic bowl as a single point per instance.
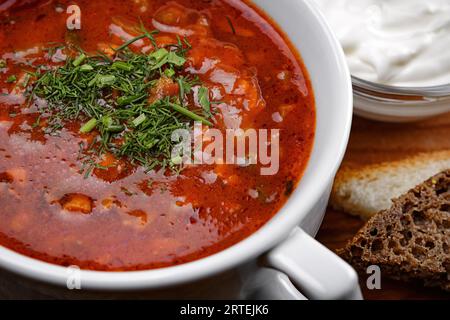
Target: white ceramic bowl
(288, 249)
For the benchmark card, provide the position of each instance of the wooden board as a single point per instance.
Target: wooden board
(374, 142)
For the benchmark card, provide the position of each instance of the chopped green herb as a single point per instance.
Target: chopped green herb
(37, 123)
(177, 160)
(107, 121)
(139, 120)
(114, 97)
(106, 80)
(169, 72)
(289, 187)
(185, 84)
(189, 114)
(162, 57)
(127, 192)
(175, 59)
(231, 25)
(159, 54)
(79, 60)
(11, 79)
(2, 63)
(131, 41)
(86, 67)
(124, 100)
(120, 65)
(115, 128)
(26, 80)
(203, 99)
(89, 126)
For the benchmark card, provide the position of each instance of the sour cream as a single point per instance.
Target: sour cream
(394, 42)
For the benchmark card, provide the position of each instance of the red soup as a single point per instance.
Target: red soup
(87, 108)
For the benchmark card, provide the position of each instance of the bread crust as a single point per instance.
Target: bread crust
(411, 240)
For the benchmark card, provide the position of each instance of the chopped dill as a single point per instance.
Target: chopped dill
(230, 23)
(113, 98)
(11, 79)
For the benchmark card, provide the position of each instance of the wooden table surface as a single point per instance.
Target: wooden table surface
(374, 142)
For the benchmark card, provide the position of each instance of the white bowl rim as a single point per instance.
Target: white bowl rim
(272, 233)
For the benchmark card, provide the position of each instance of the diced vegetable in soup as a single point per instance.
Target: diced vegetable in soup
(87, 175)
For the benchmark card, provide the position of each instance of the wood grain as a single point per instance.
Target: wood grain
(375, 142)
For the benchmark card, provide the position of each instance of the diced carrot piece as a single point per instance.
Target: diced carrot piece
(18, 174)
(6, 177)
(19, 222)
(89, 137)
(286, 109)
(107, 48)
(164, 40)
(165, 87)
(139, 214)
(108, 160)
(249, 88)
(173, 14)
(108, 203)
(112, 169)
(77, 202)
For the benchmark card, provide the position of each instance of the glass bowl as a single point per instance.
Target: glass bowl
(399, 104)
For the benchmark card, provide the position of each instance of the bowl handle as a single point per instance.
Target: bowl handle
(317, 271)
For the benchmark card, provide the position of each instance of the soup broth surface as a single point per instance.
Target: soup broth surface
(121, 217)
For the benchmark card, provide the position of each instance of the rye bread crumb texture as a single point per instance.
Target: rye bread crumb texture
(411, 240)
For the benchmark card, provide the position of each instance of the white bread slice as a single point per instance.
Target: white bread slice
(368, 190)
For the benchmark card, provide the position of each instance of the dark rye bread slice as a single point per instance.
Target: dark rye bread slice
(411, 240)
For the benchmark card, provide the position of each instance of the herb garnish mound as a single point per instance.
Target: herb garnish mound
(120, 98)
